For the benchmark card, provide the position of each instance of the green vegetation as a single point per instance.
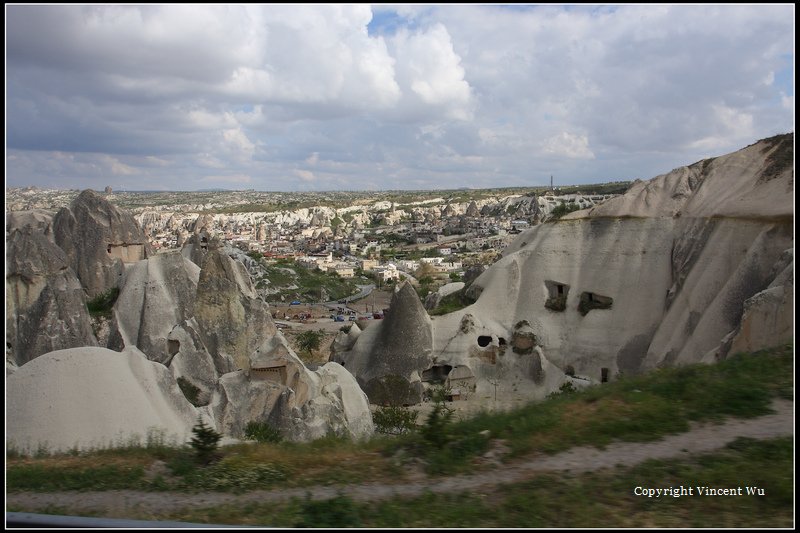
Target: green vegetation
(601, 499)
(262, 432)
(189, 390)
(310, 340)
(636, 409)
(562, 209)
(394, 419)
(452, 302)
(101, 304)
(295, 282)
(205, 441)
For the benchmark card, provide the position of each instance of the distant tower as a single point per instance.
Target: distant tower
(108, 189)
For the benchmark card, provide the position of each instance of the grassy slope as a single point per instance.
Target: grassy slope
(633, 409)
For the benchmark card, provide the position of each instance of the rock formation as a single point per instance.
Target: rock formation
(93, 398)
(398, 348)
(45, 303)
(98, 240)
(680, 269)
(434, 298)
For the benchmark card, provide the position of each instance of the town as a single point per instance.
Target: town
(373, 236)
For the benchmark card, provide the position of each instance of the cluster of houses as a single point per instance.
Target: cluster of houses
(377, 241)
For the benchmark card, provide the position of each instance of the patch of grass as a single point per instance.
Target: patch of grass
(452, 302)
(640, 408)
(601, 499)
(262, 432)
(45, 478)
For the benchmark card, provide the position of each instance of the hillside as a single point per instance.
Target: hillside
(689, 266)
(551, 464)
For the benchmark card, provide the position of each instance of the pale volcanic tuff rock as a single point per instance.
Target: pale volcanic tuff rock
(678, 270)
(155, 296)
(45, 303)
(98, 240)
(399, 346)
(233, 319)
(84, 398)
(665, 270)
(39, 219)
(326, 401)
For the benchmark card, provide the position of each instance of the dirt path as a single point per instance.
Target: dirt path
(700, 439)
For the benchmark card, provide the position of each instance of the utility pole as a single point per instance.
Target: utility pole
(551, 183)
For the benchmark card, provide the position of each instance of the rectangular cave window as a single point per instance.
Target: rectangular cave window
(591, 300)
(557, 293)
(603, 375)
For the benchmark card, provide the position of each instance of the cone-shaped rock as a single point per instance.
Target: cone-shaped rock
(388, 357)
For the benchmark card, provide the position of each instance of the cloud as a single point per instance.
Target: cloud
(569, 145)
(387, 96)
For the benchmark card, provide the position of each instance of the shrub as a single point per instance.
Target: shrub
(562, 209)
(565, 389)
(436, 430)
(262, 432)
(309, 341)
(339, 512)
(394, 420)
(101, 304)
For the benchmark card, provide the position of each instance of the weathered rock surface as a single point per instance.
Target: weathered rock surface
(38, 219)
(234, 321)
(399, 346)
(680, 269)
(155, 296)
(99, 240)
(45, 303)
(93, 398)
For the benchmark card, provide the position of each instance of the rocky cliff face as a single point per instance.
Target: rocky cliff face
(680, 269)
(98, 240)
(45, 303)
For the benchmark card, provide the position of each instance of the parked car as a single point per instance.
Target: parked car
(295, 302)
(377, 316)
(352, 318)
(339, 318)
(343, 301)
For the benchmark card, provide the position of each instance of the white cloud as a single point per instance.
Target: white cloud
(568, 145)
(430, 71)
(447, 94)
(304, 175)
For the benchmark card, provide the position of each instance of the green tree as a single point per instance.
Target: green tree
(310, 340)
(205, 441)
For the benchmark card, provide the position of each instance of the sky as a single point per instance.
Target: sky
(358, 97)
